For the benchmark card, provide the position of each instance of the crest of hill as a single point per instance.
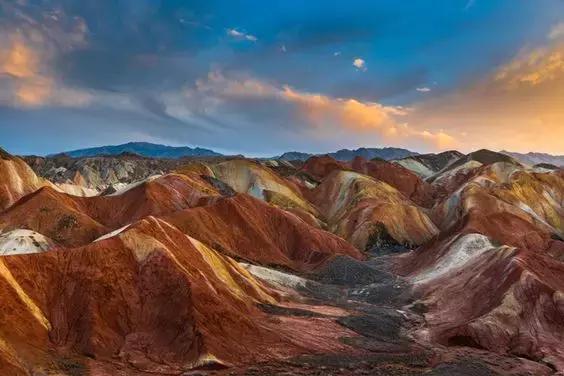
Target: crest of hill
(426, 165)
(271, 236)
(532, 158)
(73, 221)
(17, 179)
(547, 166)
(387, 153)
(482, 156)
(100, 172)
(144, 149)
(5, 155)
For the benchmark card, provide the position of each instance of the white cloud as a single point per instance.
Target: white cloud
(423, 89)
(359, 64)
(336, 53)
(557, 32)
(236, 34)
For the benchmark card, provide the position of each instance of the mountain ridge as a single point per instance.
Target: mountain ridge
(387, 153)
(145, 149)
(153, 150)
(534, 158)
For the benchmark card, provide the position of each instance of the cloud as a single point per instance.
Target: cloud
(518, 106)
(28, 52)
(27, 82)
(537, 66)
(19, 61)
(93, 62)
(359, 63)
(557, 32)
(532, 68)
(236, 34)
(250, 103)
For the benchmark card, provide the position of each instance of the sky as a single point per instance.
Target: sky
(265, 77)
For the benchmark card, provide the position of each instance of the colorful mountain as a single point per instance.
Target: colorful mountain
(233, 265)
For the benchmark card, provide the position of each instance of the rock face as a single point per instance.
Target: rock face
(340, 267)
(17, 179)
(165, 297)
(426, 165)
(398, 177)
(369, 212)
(272, 236)
(74, 221)
(499, 298)
(474, 159)
(493, 279)
(99, 173)
(23, 241)
(320, 167)
(260, 182)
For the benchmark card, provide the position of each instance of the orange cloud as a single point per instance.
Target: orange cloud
(519, 107)
(35, 93)
(534, 67)
(350, 113)
(26, 64)
(325, 115)
(19, 61)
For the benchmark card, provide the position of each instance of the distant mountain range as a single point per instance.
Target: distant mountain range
(144, 149)
(537, 158)
(348, 155)
(151, 150)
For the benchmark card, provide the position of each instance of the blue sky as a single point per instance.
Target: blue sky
(263, 77)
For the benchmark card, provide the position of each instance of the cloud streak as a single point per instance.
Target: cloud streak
(239, 35)
(557, 31)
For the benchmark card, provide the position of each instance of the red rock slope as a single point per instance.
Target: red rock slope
(494, 278)
(398, 177)
(321, 166)
(148, 300)
(500, 298)
(369, 212)
(247, 228)
(73, 221)
(17, 179)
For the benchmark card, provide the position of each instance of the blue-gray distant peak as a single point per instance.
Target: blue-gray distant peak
(144, 149)
(348, 155)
